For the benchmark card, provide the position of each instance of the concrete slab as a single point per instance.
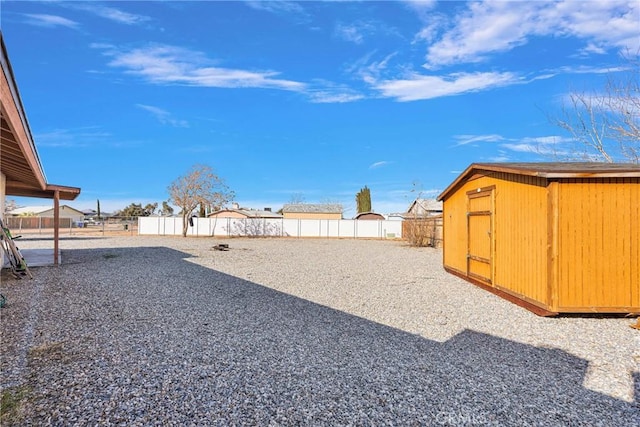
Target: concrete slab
(37, 257)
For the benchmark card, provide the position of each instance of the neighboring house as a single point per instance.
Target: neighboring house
(243, 213)
(47, 212)
(21, 172)
(369, 216)
(553, 237)
(312, 211)
(91, 215)
(421, 208)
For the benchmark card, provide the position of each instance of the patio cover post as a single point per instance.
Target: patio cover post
(56, 224)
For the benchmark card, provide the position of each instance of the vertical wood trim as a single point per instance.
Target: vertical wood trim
(466, 214)
(553, 224)
(56, 225)
(492, 248)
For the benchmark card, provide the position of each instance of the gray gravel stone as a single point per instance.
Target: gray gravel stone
(167, 331)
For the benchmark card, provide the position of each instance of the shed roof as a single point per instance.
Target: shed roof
(313, 208)
(551, 170)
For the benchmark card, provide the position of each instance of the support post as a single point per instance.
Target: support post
(56, 225)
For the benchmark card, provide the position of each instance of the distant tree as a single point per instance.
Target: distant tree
(363, 200)
(133, 210)
(150, 208)
(166, 209)
(199, 186)
(606, 125)
(203, 211)
(98, 211)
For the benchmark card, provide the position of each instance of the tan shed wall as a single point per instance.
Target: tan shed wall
(312, 215)
(599, 245)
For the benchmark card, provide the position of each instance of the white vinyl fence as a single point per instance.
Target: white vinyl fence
(262, 227)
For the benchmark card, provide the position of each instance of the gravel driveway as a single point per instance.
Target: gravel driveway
(167, 331)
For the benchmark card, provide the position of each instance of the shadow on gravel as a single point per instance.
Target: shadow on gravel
(143, 336)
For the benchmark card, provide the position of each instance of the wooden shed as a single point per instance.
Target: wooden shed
(553, 237)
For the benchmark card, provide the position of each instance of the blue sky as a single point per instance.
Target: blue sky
(311, 100)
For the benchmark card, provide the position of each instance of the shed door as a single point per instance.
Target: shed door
(480, 234)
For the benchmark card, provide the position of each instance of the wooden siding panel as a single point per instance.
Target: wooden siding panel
(455, 230)
(598, 244)
(521, 236)
(633, 186)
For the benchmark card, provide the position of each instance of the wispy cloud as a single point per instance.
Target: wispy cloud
(470, 139)
(163, 116)
(108, 12)
(334, 97)
(550, 146)
(356, 32)
(547, 146)
(369, 70)
(420, 87)
(489, 27)
(380, 164)
(325, 92)
(71, 138)
(171, 65)
(282, 8)
(50, 21)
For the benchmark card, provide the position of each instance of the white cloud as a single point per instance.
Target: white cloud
(380, 164)
(553, 146)
(325, 92)
(170, 65)
(421, 4)
(351, 33)
(469, 139)
(334, 97)
(108, 12)
(370, 71)
(549, 146)
(72, 138)
(283, 8)
(420, 87)
(50, 21)
(356, 32)
(489, 27)
(163, 116)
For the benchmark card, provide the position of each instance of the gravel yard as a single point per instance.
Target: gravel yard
(144, 331)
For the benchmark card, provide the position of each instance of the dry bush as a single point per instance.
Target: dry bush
(423, 232)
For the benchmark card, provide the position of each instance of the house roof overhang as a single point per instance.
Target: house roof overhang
(19, 160)
(549, 170)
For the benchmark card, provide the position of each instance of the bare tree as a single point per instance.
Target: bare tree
(297, 198)
(9, 205)
(606, 125)
(199, 186)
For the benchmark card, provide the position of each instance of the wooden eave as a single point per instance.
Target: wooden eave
(552, 171)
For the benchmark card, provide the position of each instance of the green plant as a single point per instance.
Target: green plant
(11, 405)
(363, 200)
